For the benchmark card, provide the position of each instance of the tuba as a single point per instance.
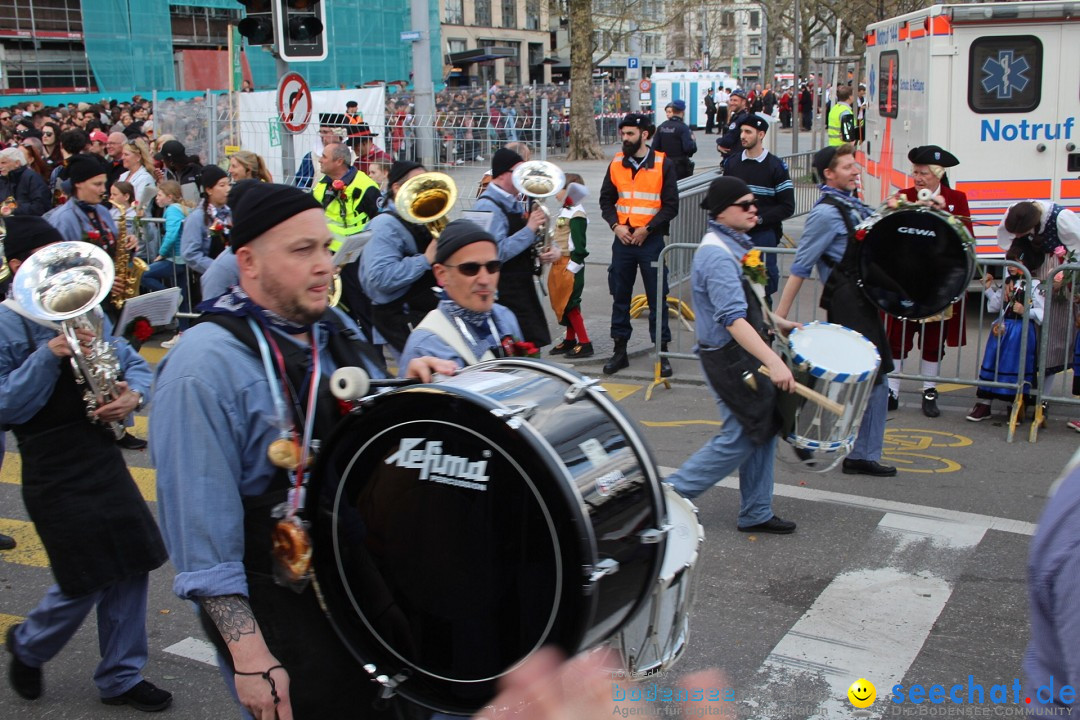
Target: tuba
(426, 199)
(65, 282)
(539, 180)
(128, 269)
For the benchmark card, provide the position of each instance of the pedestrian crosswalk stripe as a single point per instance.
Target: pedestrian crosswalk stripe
(145, 478)
(194, 649)
(29, 550)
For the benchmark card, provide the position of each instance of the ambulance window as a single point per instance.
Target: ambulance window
(1005, 74)
(889, 84)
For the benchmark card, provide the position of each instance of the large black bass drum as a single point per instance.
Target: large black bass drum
(459, 526)
(914, 261)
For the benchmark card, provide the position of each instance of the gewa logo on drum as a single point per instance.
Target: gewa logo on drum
(916, 231)
(437, 467)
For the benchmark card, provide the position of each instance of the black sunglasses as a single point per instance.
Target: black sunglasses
(745, 205)
(471, 269)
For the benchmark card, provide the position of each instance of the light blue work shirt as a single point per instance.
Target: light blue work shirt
(391, 262)
(74, 225)
(716, 282)
(499, 202)
(222, 274)
(195, 240)
(209, 434)
(825, 234)
(423, 342)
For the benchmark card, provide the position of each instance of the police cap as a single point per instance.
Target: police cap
(635, 120)
(757, 122)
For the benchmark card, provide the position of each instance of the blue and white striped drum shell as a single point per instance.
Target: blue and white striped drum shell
(834, 352)
(839, 363)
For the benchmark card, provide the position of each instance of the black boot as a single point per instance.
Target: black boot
(665, 364)
(929, 403)
(619, 359)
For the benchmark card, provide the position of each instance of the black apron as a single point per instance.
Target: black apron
(517, 290)
(92, 520)
(396, 319)
(845, 303)
(753, 405)
(325, 679)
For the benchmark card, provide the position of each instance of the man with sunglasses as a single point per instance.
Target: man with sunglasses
(732, 337)
(826, 244)
(468, 326)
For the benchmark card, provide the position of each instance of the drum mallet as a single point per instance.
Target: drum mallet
(802, 391)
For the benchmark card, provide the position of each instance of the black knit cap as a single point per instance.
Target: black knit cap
(821, 161)
(84, 166)
(237, 191)
(210, 176)
(263, 206)
(457, 235)
(723, 192)
(400, 169)
(503, 161)
(27, 233)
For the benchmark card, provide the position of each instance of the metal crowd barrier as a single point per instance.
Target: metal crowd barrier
(1061, 313)
(678, 257)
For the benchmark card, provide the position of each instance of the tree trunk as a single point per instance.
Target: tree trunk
(584, 141)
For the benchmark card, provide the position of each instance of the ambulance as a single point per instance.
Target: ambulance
(689, 87)
(995, 84)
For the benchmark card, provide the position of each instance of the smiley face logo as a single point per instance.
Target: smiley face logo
(862, 693)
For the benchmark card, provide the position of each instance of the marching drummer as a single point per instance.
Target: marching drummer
(931, 185)
(467, 326)
(239, 387)
(824, 244)
(730, 325)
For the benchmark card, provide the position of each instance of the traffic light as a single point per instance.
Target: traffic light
(298, 30)
(258, 23)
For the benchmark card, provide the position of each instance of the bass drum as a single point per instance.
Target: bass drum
(460, 526)
(913, 262)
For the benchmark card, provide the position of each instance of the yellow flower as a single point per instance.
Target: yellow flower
(752, 259)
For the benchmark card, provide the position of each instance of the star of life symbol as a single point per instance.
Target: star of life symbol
(1005, 74)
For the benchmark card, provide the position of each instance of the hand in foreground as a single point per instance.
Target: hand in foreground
(550, 254)
(784, 325)
(536, 218)
(422, 368)
(781, 375)
(121, 407)
(546, 688)
(624, 234)
(254, 693)
(641, 234)
(61, 348)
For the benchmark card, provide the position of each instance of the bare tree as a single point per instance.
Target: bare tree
(584, 140)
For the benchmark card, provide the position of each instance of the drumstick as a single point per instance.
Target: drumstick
(812, 395)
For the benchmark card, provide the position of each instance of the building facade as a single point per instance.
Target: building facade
(484, 41)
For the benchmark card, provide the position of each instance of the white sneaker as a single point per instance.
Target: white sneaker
(170, 343)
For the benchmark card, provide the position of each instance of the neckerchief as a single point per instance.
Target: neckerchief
(741, 239)
(236, 302)
(105, 239)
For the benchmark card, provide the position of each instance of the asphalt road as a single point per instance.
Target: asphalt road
(914, 579)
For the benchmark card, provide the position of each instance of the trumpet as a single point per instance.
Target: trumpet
(65, 282)
(539, 180)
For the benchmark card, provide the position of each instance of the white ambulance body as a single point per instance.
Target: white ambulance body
(995, 84)
(689, 87)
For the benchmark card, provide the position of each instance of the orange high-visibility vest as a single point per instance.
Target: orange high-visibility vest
(639, 195)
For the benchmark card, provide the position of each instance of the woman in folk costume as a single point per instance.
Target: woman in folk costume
(566, 279)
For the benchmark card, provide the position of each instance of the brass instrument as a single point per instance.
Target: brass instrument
(539, 180)
(128, 269)
(65, 282)
(5, 271)
(426, 199)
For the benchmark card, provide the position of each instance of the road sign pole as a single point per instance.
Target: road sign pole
(288, 157)
(635, 52)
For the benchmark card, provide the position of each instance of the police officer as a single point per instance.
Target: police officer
(674, 139)
(737, 111)
(638, 199)
(768, 178)
(842, 119)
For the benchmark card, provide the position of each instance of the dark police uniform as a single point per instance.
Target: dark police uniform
(674, 139)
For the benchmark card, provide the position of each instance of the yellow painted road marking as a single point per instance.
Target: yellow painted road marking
(145, 478)
(29, 550)
(903, 458)
(619, 391)
(7, 621)
(950, 387)
(903, 447)
(680, 423)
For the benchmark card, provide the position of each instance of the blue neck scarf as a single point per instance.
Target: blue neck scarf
(741, 239)
(236, 302)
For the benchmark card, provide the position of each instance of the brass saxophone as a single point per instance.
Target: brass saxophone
(128, 269)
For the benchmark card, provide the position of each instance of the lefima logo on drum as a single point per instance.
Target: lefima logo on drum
(437, 467)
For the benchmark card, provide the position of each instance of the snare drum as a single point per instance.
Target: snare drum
(840, 364)
(914, 261)
(655, 638)
(460, 526)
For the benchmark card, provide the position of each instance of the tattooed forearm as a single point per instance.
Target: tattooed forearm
(231, 614)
